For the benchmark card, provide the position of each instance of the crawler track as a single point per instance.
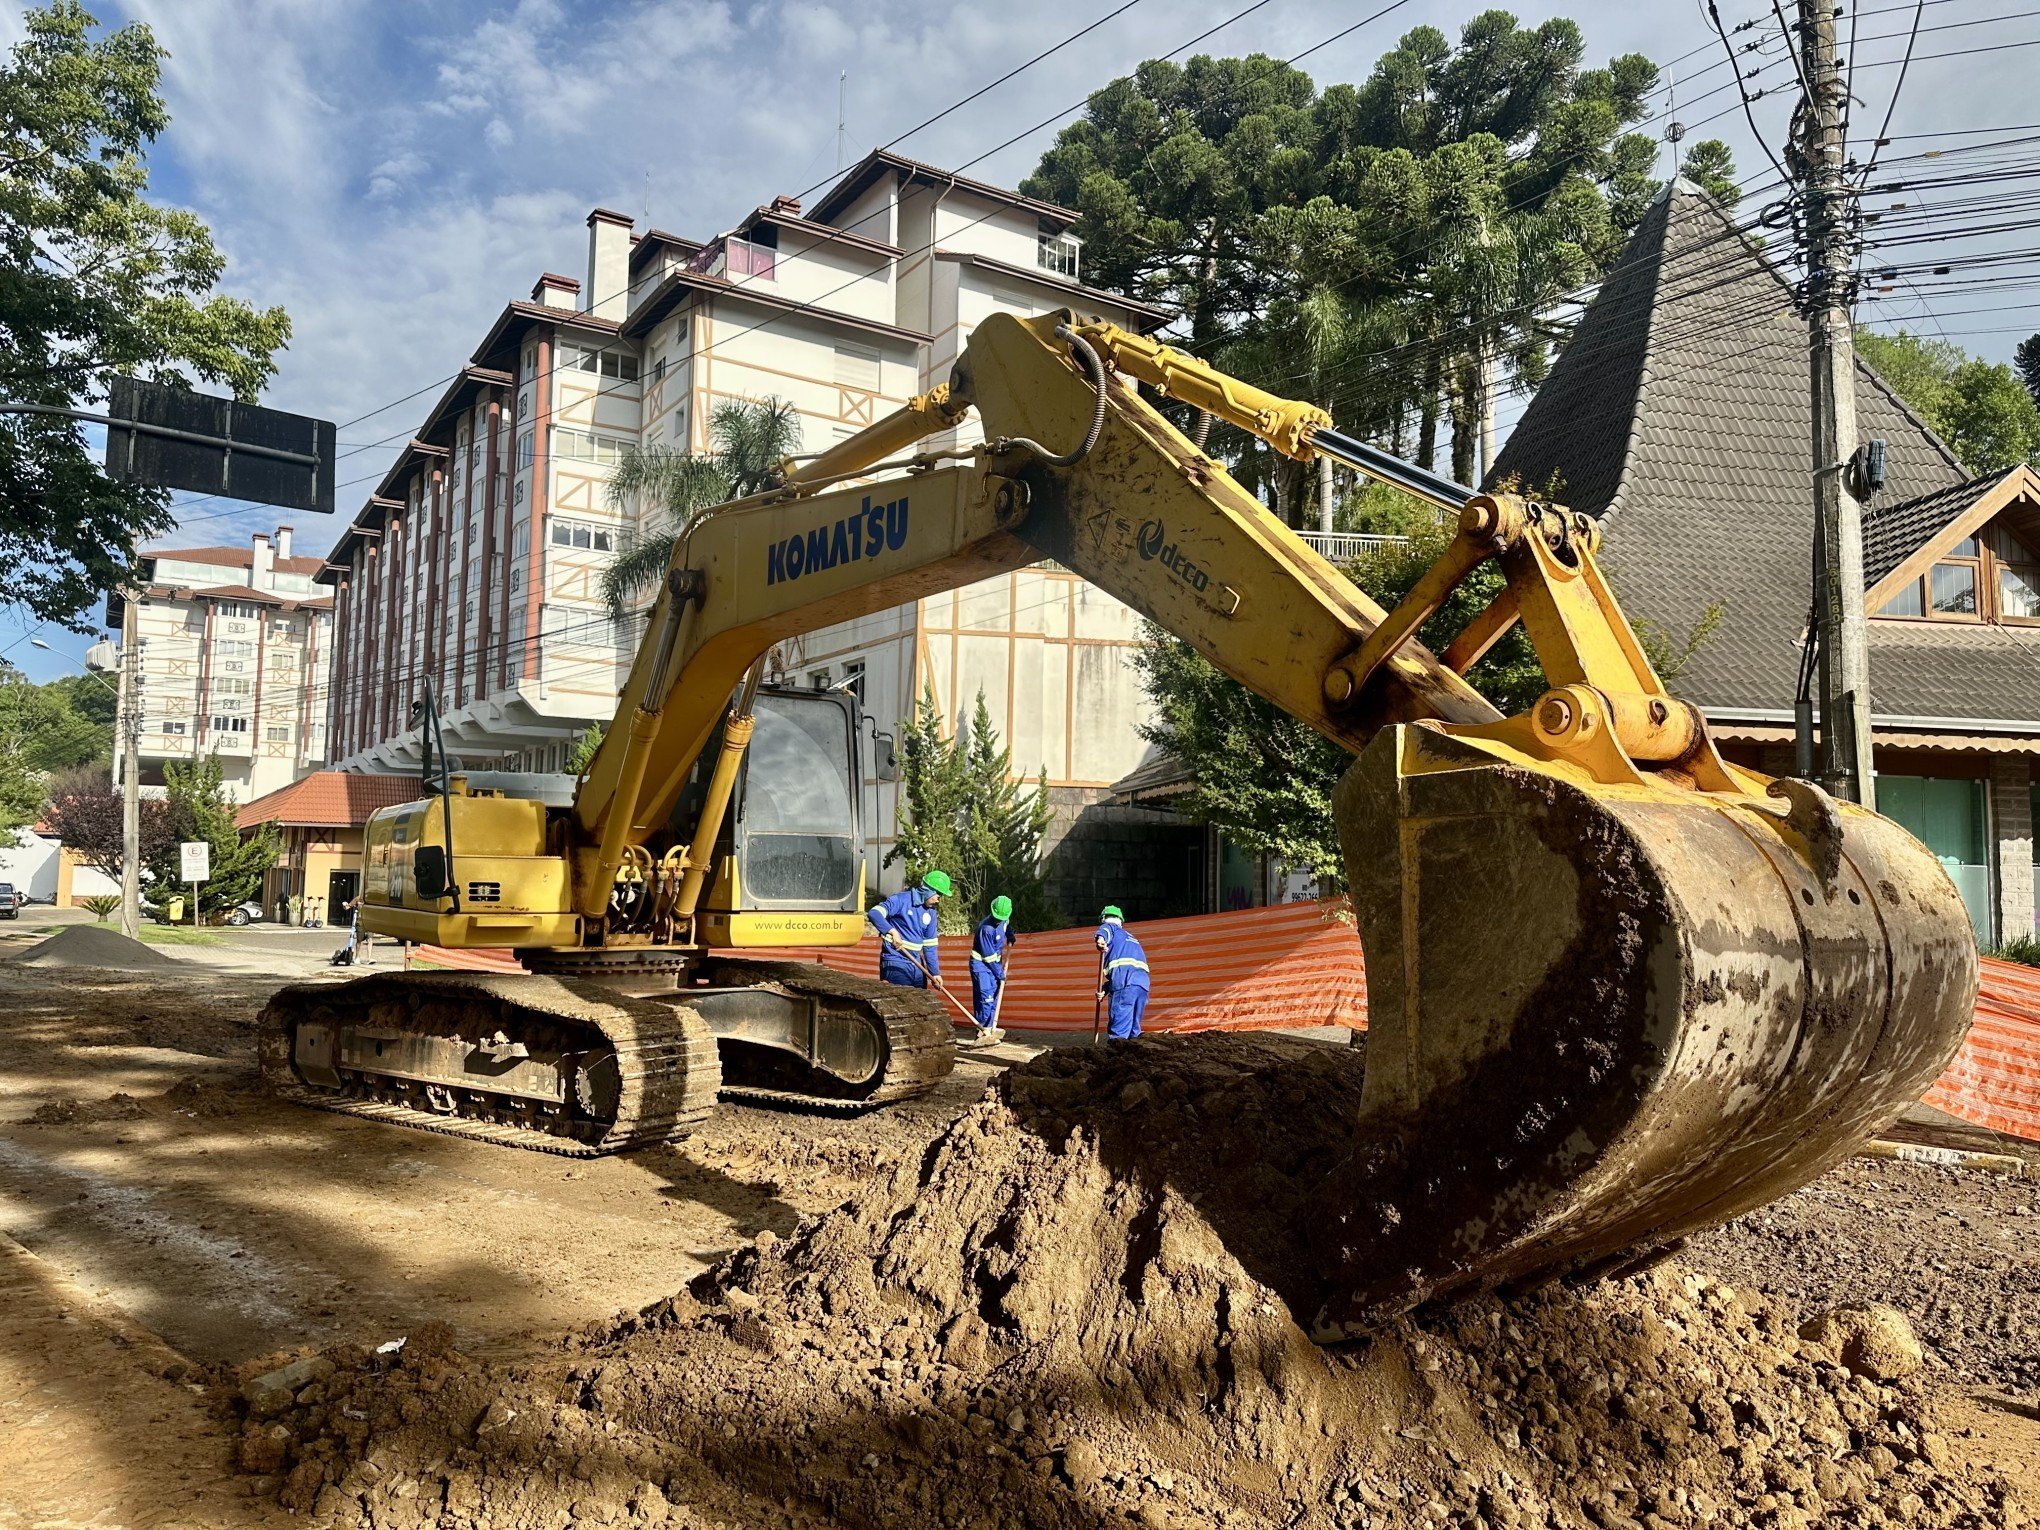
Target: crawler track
(666, 1061)
(920, 1043)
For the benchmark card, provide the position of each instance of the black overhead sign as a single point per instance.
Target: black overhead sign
(171, 439)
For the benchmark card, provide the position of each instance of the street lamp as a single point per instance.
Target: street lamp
(128, 719)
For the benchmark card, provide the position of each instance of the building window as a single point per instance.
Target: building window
(225, 723)
(169, 726)
(524, 449)
(1058, 251)
(575, 534)
(277, 735)
(588, 446)
(1993, 577)
(2018, 577)
(857, 366)
(853, 678)
(621, 366)
(756, 257)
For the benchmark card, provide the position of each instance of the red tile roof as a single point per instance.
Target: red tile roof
(329, 799)
(234, 557)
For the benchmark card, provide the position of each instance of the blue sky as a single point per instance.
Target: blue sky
(393, 173)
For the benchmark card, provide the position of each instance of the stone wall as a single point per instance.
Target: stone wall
(1152, 864)
(2011, 814)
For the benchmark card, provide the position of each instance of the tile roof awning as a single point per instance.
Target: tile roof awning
(335, 799)
(1887, 738)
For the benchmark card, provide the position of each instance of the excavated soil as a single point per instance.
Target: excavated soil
(1068, 1311)
(96, 945)
(1958, 1253)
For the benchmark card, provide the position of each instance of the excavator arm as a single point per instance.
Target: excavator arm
(1619, 989)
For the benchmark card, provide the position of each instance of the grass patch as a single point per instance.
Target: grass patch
(2020, 948)
(180, 935)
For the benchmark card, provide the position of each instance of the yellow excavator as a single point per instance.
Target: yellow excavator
(1620, 989)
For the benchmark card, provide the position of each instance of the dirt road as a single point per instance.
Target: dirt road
(151, 1181)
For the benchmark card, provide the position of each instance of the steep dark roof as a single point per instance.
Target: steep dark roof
(1891, 532)
(1680, 414)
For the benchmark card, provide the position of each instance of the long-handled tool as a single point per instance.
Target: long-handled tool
(935, 982)
(1098, 1009)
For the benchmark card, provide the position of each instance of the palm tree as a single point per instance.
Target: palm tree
(748, 439)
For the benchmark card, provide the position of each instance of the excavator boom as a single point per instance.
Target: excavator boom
(1620, 989)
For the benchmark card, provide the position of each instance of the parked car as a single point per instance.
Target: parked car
(10, 901)
(245, 913)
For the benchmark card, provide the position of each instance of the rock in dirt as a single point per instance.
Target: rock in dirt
(1066, 1314)
(96, 945)
(1869, 1339)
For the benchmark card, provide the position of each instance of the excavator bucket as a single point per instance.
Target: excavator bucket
(1602, 1017)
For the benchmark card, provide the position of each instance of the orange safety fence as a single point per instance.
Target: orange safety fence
(1299, 964)
(1994, 1080)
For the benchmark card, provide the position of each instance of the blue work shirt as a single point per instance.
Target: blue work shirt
(909, 915)
(1125, 962)
(988, 947)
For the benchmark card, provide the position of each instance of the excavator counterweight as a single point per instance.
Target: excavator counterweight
(1621, 989)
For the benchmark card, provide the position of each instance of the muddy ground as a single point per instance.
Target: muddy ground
(157, 1192)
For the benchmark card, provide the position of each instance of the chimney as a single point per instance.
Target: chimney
(607, 295)
(282, 542)
(556, 291)
(787, 205)
(260, 567)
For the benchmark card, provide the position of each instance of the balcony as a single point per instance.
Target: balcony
(1345, 546)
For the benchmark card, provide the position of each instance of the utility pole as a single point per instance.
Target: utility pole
(1842, 632)
(129, 721)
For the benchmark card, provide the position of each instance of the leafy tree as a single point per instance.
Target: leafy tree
(95, 279)
(1261, 777)
(935, 792)
(1003, 828)
(749, 438)
(197, 807)
(1711, 166)
(77, 728)
(1979, 408)
(24, 714)
(965, 812)
(2026, 362)
(584, 749)
(84, 811)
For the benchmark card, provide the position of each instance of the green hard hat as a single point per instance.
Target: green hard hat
(1112, 911)
(938, 882)
(1002, 907)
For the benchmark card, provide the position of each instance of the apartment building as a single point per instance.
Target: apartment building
(235, 656)
(475, 564)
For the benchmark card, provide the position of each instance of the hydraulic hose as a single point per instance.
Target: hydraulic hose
(1096, 369)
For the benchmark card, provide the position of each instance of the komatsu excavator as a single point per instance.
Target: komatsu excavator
(1619, 989)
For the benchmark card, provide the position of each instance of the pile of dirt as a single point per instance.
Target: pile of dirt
(70, 1112)
(1958, 1253)
(95, 945)
(209, 1098)
(1069, 1311)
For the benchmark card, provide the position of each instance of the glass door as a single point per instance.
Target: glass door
(1949, 818)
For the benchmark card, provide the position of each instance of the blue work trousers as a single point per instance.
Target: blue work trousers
(1125, 1006)
(984, 992)
(900, 970)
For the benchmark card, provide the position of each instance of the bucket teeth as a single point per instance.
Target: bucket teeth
(1603, 1018)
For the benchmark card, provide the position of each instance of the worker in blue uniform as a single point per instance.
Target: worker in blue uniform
(988, 948)
(1123, 974)
(905, 922)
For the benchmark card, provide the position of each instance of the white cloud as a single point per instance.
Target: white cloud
(393, 171)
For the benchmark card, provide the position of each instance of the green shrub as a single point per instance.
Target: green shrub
(2024, 949)
(102, 905)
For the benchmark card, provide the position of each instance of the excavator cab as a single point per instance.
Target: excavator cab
(789, 863)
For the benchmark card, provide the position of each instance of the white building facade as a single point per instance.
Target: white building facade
(476, 565)
(234, 658)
